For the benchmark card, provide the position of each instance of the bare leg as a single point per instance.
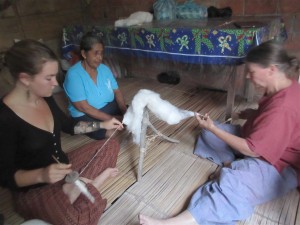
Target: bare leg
(184, 218)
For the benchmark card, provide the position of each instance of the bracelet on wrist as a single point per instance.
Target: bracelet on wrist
(96, 125)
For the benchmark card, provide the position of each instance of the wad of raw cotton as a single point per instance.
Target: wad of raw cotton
(136, 18)
(162, 109)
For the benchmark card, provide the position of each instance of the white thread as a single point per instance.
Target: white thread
(99, 150)
(162, 109)
(84, 190)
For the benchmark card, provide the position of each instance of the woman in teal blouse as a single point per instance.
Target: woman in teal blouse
(91, 87)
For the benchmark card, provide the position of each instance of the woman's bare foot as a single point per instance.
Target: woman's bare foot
(184, 218)
(146, 220)
(108, 173)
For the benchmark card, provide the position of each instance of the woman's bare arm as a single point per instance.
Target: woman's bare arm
(237, 143)
(50, 174)
(83, 127)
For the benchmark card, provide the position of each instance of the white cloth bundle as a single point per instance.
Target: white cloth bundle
(135, 19)
(35, 222)
(163, 109)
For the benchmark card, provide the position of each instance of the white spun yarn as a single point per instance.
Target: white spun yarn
(163, 109)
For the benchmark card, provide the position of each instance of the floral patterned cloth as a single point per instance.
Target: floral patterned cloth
(209, 41)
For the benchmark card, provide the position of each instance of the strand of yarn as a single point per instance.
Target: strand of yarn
(150, 139)
(99, 150)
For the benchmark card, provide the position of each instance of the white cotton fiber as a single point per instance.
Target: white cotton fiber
(162, 109)
(135, 19)
(35, 222)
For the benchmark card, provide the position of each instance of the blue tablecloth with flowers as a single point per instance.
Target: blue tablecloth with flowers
(206, 41)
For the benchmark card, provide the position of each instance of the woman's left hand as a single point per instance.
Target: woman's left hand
(205, 121)
(112, 124)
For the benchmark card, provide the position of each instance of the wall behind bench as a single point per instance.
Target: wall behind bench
(38, 19)
(288, 9)
(44, 19)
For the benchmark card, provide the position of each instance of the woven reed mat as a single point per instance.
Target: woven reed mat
(129, 155)
(283, 211)
(165, 189)
(6, 208)
(171, 172)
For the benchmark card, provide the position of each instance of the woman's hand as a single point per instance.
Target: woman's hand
(112, 124)
(55, 172)
(204, 121)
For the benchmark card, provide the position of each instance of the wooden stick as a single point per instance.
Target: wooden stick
(229, 119)
(56, 160)
(143, 146)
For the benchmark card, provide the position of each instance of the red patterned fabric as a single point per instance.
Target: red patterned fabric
(50, 204)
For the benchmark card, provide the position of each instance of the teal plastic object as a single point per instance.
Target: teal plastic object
(191, 10)
(164, 9)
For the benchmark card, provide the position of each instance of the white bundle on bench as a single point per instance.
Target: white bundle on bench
(136, 18)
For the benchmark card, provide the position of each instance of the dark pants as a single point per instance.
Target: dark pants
(111, 108)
